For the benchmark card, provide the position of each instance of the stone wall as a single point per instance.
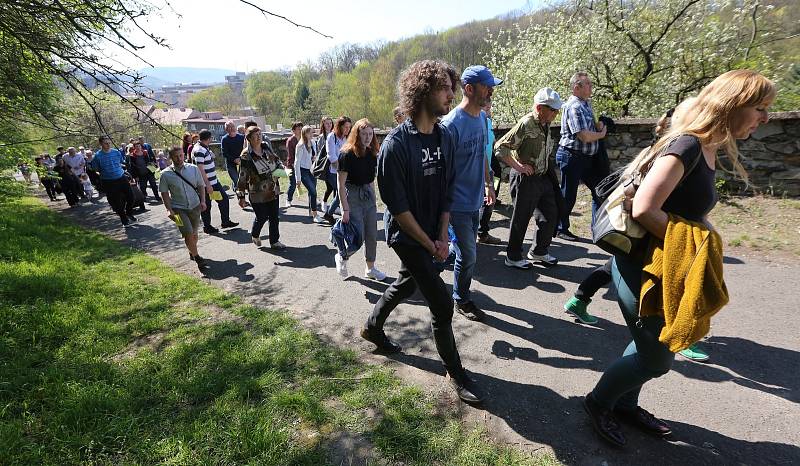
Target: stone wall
(771, 156)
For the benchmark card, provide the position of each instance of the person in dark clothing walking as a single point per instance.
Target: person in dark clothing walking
(109, 164)
(414, 177)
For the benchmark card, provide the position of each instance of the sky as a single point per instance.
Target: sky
(217, 33)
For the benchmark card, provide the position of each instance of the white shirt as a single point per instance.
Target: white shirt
(303, 156)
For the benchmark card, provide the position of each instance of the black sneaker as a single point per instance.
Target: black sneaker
(210, 230)
(466, 389)
(125, 222)
(604, 422)
(132, 219)
(329, 218)
(202, 264)
(229, 224)
(567, 235)
(379, 339)
(470, 311)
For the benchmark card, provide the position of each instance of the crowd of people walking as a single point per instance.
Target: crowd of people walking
(434, 173)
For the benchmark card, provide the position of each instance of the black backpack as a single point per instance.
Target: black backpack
(321, 165)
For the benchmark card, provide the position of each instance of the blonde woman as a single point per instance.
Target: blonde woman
(731, 107)
(358, 163)
(303, 158)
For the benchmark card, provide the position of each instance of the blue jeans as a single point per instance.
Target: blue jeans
(292, 184)
(335, 202)
(233, 172)
(310, 183)
(645, 358)
(574, 170)
(465, 227)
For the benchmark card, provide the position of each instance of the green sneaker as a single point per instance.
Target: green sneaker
(577, 308)
(694, 353)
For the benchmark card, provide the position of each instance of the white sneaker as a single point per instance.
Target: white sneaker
(256, 241)
(375, 274)
(546, 259)
(341, 265)
(318, 219)
(277, 245)
(287, 203)
(323, 207)
(520, 264)
(338, 211)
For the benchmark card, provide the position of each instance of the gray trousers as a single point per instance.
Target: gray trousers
(364, 215)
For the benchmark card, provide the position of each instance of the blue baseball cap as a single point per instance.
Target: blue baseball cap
(479, 74)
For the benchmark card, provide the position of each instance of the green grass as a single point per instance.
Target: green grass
(109, 356)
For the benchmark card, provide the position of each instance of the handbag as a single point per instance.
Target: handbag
(614, 230)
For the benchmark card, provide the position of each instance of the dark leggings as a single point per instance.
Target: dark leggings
(599, 278)
(329, 189)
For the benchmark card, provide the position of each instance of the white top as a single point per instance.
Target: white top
(303, 156)
(334, 145)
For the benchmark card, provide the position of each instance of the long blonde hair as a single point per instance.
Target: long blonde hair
(306, 141)
(709, 116)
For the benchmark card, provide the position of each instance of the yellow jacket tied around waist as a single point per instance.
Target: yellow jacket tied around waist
(682, 280)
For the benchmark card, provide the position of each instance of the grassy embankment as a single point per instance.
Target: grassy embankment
(110, 357)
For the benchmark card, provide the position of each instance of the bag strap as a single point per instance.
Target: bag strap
(190, 184)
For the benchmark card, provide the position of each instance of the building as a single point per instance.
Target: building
(215, 122)
(171, 116)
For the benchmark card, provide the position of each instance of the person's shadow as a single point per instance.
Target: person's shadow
(541, 415)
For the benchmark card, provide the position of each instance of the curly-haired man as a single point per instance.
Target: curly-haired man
(415, 172)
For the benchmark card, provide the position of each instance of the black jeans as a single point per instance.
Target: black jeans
(485, 216)
(533, 197)
(266, 211)
(417, 269)
(144, 180)
(50, 187)
(224, 208)
(120, 196)
(599, 278)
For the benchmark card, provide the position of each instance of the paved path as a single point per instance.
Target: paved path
(742, 407)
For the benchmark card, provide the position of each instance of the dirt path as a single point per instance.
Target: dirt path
(742, 407)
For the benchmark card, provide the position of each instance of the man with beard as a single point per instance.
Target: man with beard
(473, 180)
(414, 176)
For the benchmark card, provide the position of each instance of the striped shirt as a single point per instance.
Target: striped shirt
(109, 164)
(204, 159)
(578, 116)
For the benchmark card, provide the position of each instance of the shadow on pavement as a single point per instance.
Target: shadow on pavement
(543, 416)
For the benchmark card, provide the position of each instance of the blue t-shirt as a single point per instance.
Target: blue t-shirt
(108, 164)
(469, 139)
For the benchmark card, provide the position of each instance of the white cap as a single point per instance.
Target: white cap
(549, 97)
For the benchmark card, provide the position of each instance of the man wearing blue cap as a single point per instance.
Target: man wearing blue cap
(472, 184)
(528, 149)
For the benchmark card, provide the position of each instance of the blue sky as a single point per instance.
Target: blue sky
(215, 33)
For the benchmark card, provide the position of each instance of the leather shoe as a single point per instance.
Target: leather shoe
(604, 422)
(466, 389)
(380, 340)
(644, 421)
(567, 235)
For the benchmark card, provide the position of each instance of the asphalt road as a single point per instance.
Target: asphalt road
(536, 363)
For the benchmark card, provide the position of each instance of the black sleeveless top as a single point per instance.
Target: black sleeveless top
(696, 195)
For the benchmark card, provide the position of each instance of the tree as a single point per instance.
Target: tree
(221, 98)
(643, 56)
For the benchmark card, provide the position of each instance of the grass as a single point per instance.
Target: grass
(110, 357)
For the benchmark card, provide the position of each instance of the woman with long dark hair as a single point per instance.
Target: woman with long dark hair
(325, 128)
(333, 146)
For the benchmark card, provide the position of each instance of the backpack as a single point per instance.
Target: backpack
(321, 165)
